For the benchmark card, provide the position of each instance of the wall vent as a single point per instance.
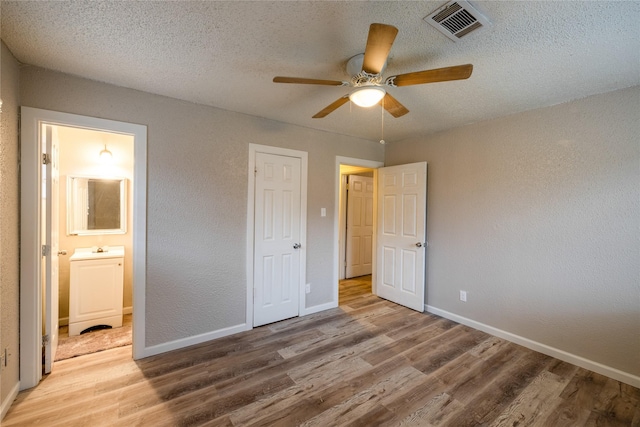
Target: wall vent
(457, 19)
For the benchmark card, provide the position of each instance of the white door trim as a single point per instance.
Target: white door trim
(30, 234)
(303, 156)
(340, 160)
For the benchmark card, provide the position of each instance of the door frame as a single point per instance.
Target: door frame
(337, 243)
(303, 156)
(30, 231)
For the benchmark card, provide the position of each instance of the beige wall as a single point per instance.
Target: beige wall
(9, 224)
(197, 197)
(79, 156)
(536, 216)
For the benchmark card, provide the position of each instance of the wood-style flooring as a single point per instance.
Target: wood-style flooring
(367, 363)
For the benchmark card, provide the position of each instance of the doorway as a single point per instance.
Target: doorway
(361, 277)
(358, 245)
(34, 252)
(95, 200)
(399, 237)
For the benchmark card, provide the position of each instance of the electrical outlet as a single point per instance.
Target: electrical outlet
(307, 288)
(463, 296)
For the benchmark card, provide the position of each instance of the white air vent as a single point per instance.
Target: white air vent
(456, 19)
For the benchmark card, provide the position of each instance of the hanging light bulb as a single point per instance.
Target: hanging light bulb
(367, 96)
(106, 155)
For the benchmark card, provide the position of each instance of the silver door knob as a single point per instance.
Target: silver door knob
(297, 246)
(421, 245)
(62, 252)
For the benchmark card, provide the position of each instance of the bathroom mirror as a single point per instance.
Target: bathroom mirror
(96, 205)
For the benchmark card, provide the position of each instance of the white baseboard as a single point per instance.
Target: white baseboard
(6, 404)
(608, 371)
(64, 321)
(199, 339)
(196, 339)
(318, 308)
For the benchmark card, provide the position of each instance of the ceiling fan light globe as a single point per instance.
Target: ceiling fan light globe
(367, 96)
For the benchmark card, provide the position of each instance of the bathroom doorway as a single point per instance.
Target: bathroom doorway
(95, 211)
(37, 301)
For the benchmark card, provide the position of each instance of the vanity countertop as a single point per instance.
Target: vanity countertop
(92, 253)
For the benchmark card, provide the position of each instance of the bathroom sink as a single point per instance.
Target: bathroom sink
(95, 253)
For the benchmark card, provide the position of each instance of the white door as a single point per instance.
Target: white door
(401, 234)
(277, 243)
(359, 226)
(50, 175)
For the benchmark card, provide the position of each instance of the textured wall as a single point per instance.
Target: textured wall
(9, 221)
(536, 216)
(197, 197)
(79, 149)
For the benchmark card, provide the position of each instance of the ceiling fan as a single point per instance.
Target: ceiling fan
(366, 71)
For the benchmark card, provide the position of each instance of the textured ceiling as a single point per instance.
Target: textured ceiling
(225, 54)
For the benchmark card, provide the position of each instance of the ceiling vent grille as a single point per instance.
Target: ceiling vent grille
(456, 19)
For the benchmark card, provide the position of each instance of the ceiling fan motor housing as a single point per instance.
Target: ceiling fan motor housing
(359, 77)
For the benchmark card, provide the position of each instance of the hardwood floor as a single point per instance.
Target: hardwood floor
(367, 363)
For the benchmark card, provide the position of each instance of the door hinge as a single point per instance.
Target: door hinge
(347, 187)
(45, 340)
(46, 159)
(45, 250)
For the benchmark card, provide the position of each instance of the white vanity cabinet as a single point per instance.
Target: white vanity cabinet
(95, 290)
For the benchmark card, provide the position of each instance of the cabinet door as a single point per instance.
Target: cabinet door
(96, 289)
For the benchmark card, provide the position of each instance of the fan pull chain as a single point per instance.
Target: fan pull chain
(382, 122)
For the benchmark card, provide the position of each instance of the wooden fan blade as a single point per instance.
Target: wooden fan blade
(459, 72)
(300, 80)
(332, 107)
(393, 106)
(381, 37)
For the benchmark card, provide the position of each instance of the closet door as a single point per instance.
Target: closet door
(359, 226)
(277, 244)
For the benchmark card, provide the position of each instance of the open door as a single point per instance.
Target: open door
(401, 234)
(50, 200)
